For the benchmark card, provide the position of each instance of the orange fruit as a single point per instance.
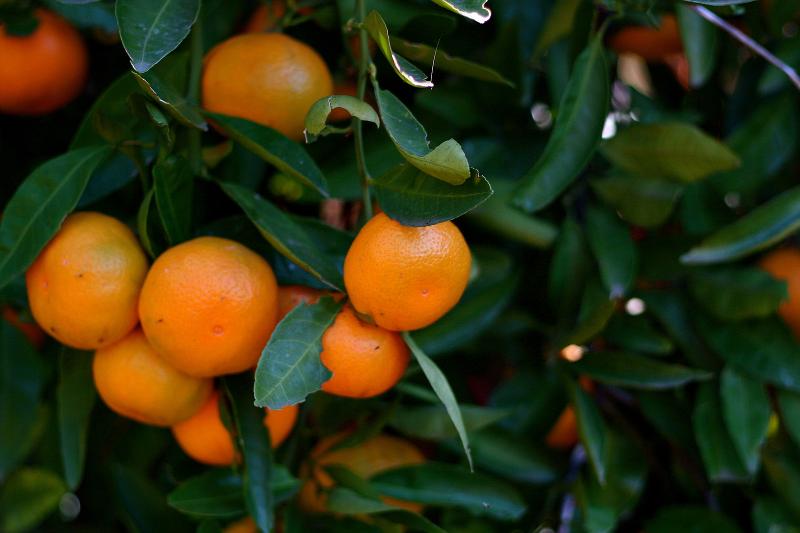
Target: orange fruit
(405, 277)
(784, 264)
(347, 88)
(679, 64)
(269, 78)
(32, 332)
(134, 381)
(205, 438)
(564, 433)
(44, 70)
(243, 525)
(84, 285)
(369, 458)
(209, 305)
(265, 17)
(653, 44)
(290, 296)
(366, 360)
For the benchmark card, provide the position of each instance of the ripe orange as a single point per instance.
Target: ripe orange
(243, 525)
(43, 71)
(133, 380)
(290, 296)
(84, 286)
(784, 264)
(366, 360)
(209, 305)
(32, 331)
(265, 17)
(404, 277)
(269, 78)
(347, 88)
(564, 433)
(205, 438)
(367, 459)
(653, 44)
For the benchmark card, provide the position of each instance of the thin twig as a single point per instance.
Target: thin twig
(358, 135)
(748, 42)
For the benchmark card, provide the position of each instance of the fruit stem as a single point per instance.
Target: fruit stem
(363, 66)
(193, 92)
(746, 40)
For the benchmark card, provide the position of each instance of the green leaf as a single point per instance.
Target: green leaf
(512, 457)
(763, 349)
(636, 333)
(614, 249)
(290, 368)
(761, 228)
(773, 79)
(316, 119)
(472, 9)
(737, 293)
(672, 150)
(442, 388)
(28, 497)
(700, 43)
(439, 59)
(346, 501)
(674, 314)
(559, 24)
(690, 519)
(414, 198)
(253, 440)
(76, 396)
(591, 429)
(595, 312)
(789, 402)
(446, 162)
(452, 486)
(782, 466)
(173, 183)
(279, 151)
(171, 99)
(746, 411)
(635, 371)
(716, 448)
(147, 223)
(433, 422)
(39, 206)
(286, 235)
(141, 502)
(22, 379)
(577, 132)
(497, 216)
(771, 516)
(375, 25)
(641, 201)
(568, 269)
(151, 29)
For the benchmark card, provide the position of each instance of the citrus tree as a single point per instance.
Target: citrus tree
(399, 265)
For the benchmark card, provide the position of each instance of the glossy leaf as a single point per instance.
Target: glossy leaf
(443, 391)
(762, 227)
(277, 150)
(253, 441)
(579, 125)
(39, 206)
(719, 455)
(637, 334)
(595, 311)
(635, 371)
(439, 59)
(746, 411)
(568, 269)
(151, 29)
(406, 70)
(789, 402)
(316, 124)
(472, 9)
(76, 397)
(498, 216)
(614, 249)
(290, 368)
(559, 24)
(737, 293)
(700, 41)
(173, 186)
(140, 501)
(451, 486)
(286, 235)
(592, 431)
(641, 201)
(446, 162)
(513, 458)
(414, 198)
(433, 422)
(22, 379)
(346, 501)
(28, 497)
(171, 99)
(672, 150)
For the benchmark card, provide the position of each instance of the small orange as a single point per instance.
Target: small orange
(205, 438)
(679, 64)
(366, 360)
(290, 296)
(243, 525)
(269, 78)
(347, 88)
(369, 458)
(30, 329)
(784, 264)
(652, 44)
(209, 305)
(404, 277)
(564, 433)
(84, 285)
(44, 70)
(134, 381)
(265, 17)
